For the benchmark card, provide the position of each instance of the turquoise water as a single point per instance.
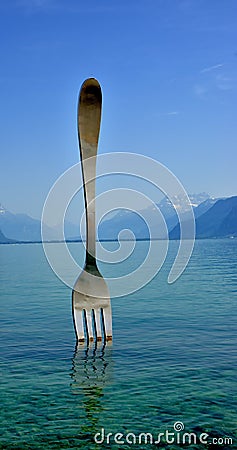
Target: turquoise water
(173, 358)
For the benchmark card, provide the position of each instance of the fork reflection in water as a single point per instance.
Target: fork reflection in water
(91, 372)
(91, 366)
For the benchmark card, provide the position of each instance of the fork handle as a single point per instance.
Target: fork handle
(89, 116)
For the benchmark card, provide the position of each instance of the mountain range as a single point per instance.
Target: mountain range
(21, 227)
(217, 222)
(133, 222)
(215, 218)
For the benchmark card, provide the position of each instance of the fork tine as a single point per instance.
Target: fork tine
(97, 317)
(78, 321)
(88, 319)
(107, 322)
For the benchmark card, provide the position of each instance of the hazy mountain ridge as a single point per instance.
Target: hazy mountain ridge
(22, 227)
(126, 220)
(4, 239)
(214, 218)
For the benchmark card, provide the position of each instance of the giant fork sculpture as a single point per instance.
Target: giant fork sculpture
(90, 297)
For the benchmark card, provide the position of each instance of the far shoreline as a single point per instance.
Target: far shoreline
(77, 241)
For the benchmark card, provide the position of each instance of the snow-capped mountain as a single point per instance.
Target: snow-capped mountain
(109, 229)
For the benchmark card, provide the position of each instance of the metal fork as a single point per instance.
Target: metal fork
(90, 296)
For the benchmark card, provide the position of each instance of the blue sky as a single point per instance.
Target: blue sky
(168, 71)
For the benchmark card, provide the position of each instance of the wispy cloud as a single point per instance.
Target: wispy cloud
(225, 83)
(170, 113)
(218, 83)
(215, 80)
(211, 68)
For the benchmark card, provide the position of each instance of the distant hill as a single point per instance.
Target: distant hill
(203, 207)
(22, 227)
(218, 222)
(19, 226)
(4, 239)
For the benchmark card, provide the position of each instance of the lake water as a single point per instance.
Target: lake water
(173, 357)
